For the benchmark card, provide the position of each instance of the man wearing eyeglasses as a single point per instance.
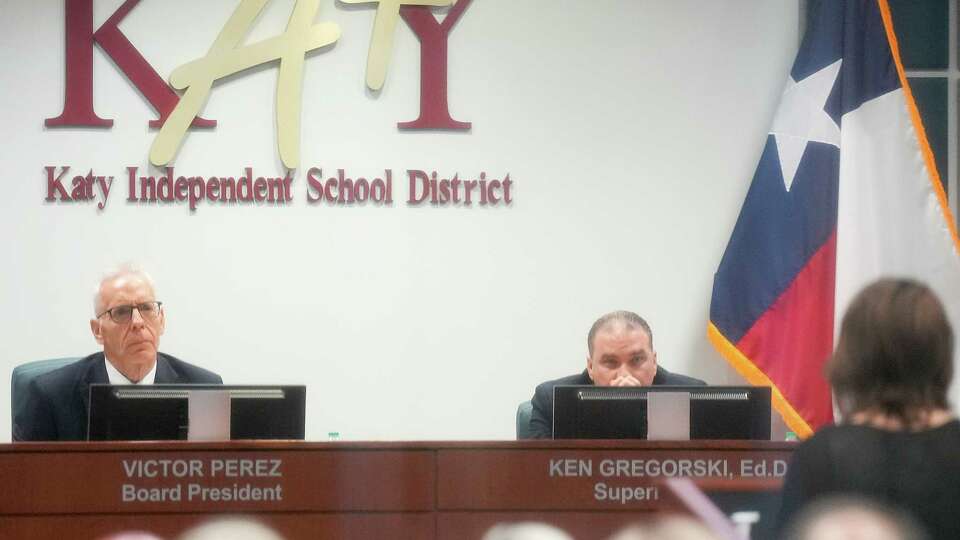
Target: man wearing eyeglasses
(128, 322)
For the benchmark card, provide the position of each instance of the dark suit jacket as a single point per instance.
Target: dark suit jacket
(58, 402)
(541, 419)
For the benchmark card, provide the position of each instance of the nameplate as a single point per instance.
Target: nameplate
(592, 479)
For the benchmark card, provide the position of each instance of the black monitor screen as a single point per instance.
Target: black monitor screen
(159, 412)
(606, 412)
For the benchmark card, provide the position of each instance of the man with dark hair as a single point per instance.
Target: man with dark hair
(620, 353)
(128, 322)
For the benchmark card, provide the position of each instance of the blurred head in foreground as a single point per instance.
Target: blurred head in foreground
(894, 357)
(131, 535)
(847, 518)
(669, 528)
(525, 531)
(236, 528)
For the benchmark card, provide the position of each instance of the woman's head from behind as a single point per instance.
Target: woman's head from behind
(894, 356)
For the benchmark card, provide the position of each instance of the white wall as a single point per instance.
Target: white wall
(631, 129)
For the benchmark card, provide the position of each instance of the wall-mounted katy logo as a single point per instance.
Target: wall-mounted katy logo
(227, 56)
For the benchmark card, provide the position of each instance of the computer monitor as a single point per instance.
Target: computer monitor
(160, 412)
(608, 412)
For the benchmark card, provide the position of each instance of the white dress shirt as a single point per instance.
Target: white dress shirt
(115, 377)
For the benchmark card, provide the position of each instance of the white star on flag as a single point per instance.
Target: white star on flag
(801, 119)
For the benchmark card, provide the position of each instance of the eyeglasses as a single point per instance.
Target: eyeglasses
(123, 314)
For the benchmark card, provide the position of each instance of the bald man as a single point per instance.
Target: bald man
(128, 322)
(619, 353)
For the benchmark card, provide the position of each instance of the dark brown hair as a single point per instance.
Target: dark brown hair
(627, 318)
(895, 352)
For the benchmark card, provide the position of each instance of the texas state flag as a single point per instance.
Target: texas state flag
(846, 191)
